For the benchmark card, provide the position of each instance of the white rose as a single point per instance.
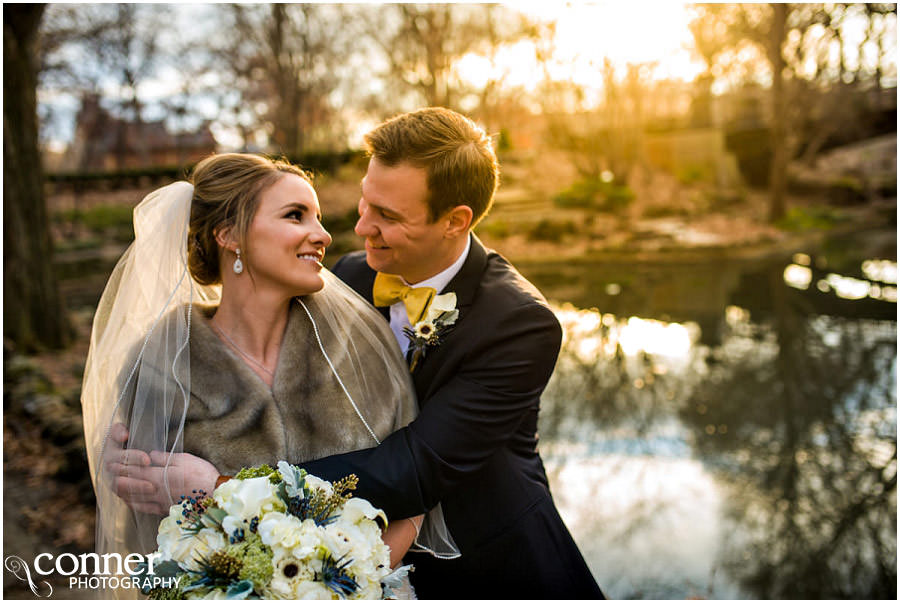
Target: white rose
(248, 498)
(309, 540)
(278, 529)
(300, 538)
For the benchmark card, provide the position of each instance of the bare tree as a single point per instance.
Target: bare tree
(423, 43)
(129, 50)
(84, 47)
(605, 135)
(33, 312)
(496, 101)
(283, 62)
(780, 152)
(806, 54)
(67, 60)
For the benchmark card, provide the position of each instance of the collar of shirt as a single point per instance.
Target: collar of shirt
(399, 320)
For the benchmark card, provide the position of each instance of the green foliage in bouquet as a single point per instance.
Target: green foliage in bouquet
(261, 471)
(257, 561)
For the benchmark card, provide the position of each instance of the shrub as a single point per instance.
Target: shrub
(549, 230)
(504, 142)
(846, 190)
(581, 194)
(497, 229)
(692, 173)
(618, 197)
(810, 218)
(110, 220)
(596, 194)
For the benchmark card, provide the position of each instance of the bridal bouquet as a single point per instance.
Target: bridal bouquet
(275, 534)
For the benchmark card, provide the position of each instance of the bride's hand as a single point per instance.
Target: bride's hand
(140, 479)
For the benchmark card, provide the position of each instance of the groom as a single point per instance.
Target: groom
(431, 176)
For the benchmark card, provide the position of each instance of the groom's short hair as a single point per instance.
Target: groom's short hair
(457, 155)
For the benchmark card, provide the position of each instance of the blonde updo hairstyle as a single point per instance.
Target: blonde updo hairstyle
(226, 195)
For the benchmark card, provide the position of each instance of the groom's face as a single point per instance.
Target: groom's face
(393, 219)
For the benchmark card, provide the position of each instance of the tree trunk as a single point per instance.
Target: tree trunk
(33, 313)
(780, 156)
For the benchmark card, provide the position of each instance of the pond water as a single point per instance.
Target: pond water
(727, 429)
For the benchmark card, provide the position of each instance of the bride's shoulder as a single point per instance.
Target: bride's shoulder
(180, 323)
(185, 316)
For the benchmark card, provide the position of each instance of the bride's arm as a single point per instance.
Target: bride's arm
(400, 535)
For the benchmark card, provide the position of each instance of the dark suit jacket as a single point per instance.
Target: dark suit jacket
(473, 446)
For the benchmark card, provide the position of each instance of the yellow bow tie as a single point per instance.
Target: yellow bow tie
(390, 289)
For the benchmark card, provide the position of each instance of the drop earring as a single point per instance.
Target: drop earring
(238, 264)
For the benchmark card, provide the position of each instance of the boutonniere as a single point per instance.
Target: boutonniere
(428, 332)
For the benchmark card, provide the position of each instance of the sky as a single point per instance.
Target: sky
(623, 32)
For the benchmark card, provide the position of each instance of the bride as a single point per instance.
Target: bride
(220, 334)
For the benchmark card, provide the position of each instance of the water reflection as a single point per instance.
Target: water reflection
(763, 465)
(881, 274)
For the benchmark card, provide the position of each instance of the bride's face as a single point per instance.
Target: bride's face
(286, 241)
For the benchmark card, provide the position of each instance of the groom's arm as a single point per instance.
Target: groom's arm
(463, 423)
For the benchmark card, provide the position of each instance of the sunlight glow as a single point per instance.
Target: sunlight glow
(587, 34)
(798, 277)
(883, 271)
(623, 32)
(847, 287)
(735, 315)
(597, 335)
(654, 337)
(880, 270)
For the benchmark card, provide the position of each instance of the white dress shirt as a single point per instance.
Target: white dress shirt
(399, 319)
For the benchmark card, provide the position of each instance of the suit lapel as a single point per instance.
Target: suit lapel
(465, 284)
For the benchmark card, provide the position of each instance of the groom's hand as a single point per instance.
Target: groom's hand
(154, 488)
(152, 482)
(121, 465)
